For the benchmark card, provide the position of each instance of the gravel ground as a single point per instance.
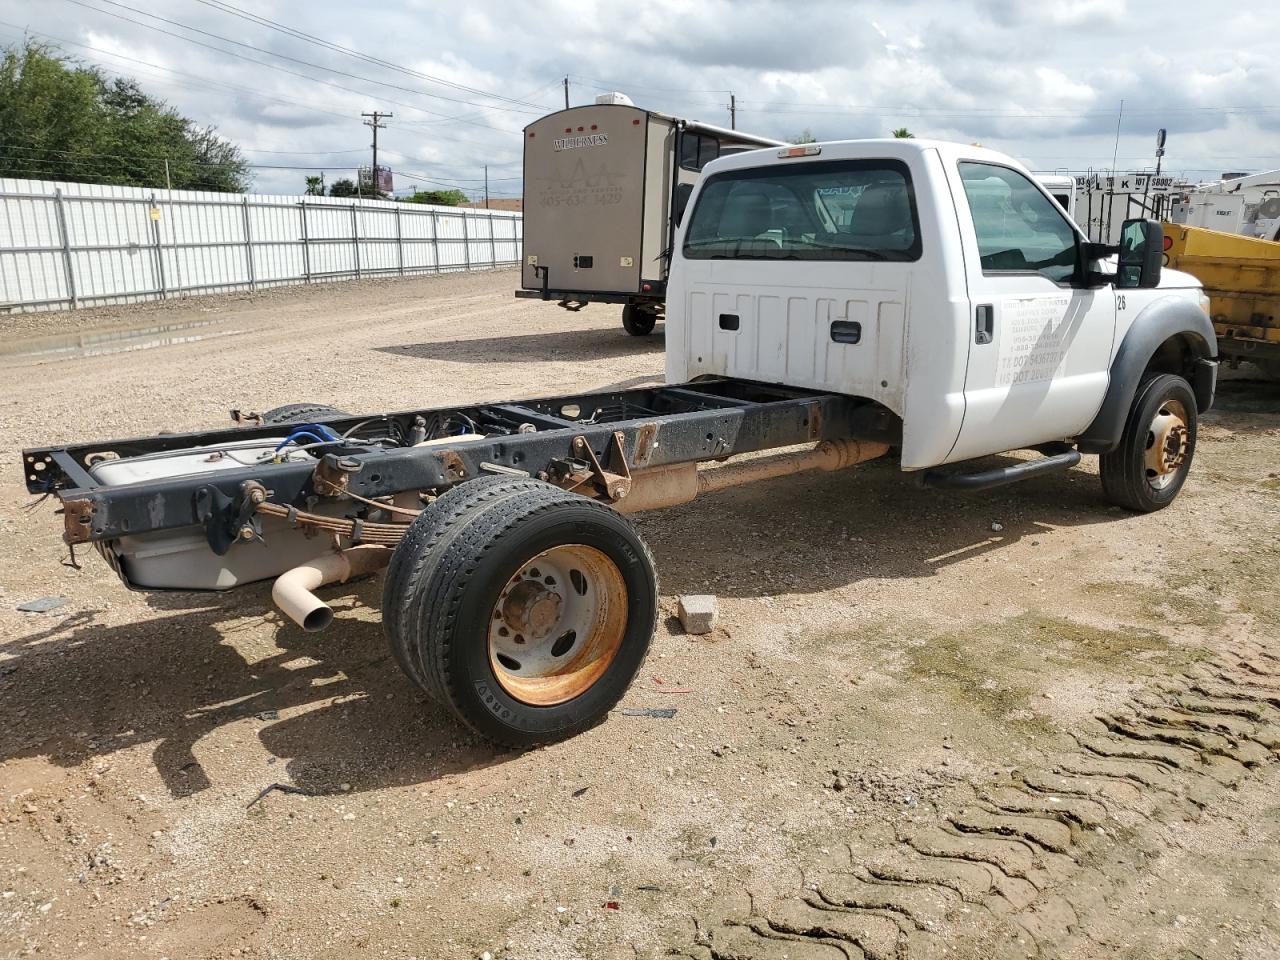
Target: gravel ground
(914, 734)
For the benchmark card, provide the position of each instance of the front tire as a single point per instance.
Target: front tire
(1147, 470)
(533, 615)
(638, 322)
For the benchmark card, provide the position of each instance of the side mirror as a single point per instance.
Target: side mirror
(1141, 254)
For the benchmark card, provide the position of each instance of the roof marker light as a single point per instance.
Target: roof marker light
(808, 150)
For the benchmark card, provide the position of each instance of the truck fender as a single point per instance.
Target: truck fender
(1164, 320)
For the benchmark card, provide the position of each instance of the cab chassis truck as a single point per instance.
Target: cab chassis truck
(854, 299)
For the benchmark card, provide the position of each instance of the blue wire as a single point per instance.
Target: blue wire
(319, 428)
(296, 434)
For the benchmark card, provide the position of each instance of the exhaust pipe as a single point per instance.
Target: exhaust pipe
(292, 589)
(682, 482)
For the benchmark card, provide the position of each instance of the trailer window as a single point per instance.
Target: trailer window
(829, 210)
(696, 151)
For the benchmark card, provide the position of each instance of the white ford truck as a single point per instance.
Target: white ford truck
(921, 300)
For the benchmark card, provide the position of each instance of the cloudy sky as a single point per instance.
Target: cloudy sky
(1043, 81)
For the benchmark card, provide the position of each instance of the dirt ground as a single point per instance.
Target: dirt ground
(1016, 724)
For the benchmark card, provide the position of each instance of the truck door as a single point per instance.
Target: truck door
(1040, 343)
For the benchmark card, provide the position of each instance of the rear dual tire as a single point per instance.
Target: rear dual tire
(526, 610)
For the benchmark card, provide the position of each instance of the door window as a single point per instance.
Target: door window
(1019, 229)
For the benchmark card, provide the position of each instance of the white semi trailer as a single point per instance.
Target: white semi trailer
(604, 186)
(911, 299)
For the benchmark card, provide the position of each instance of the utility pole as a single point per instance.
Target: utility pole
(486, 184)
(733, 111)
(566, 93)
(375, 121)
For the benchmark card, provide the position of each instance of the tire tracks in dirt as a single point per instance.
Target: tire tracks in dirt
(1016, 869)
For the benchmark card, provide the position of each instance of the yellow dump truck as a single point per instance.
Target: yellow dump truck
(1241, 275)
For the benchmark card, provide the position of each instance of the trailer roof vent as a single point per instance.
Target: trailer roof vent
(614, 98)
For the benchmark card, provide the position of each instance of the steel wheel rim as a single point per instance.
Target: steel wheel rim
(1168, 438)
(557, 624)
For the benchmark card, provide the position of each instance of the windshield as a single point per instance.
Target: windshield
(830, 210)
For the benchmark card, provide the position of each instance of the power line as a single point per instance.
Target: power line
(202, 82)
(285, 56)
(612, 85)
(198, 82)
(780, 107)
(329, 45)
(299, 153)
(277, 67)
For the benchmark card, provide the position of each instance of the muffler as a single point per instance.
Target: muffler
(292, 589)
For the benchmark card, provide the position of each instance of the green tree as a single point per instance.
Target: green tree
(902, 133)
(804, 136)
(445, 198)
(61, 120)
(346, 187)
(315, 186)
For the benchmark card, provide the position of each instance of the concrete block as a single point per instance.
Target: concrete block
(698, 613)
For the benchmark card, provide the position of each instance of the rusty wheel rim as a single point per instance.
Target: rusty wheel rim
(1168, 438)
(557, 625)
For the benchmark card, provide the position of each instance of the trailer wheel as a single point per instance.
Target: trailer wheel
(417, 551)
(533, 615)
(638, 322)
(1148, 468)
(300, 413)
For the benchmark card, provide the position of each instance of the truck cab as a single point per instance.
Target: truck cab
(941, 281)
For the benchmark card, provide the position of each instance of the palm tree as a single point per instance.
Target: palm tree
(902, 133)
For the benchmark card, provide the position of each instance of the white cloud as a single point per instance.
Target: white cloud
(1042, 81)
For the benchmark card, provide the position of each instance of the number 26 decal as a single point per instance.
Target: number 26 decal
(1120, 301)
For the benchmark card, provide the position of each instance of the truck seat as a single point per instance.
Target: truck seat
(882, 217)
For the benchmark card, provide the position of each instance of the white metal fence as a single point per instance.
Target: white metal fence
(76, 244)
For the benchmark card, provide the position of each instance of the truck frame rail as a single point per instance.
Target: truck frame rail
(589, 441)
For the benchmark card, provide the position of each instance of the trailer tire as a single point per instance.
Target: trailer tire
(300, 413)
(1146, 471)
(416, 552)
(564, 584)
(638, 322)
